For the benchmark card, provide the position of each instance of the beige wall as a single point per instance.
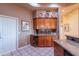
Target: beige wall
(70, 18)
(22, 13)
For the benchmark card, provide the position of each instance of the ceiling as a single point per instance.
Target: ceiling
(65, 10)
(45, 5)
(64, 7)
(58, 4)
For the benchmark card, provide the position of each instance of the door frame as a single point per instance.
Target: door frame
(17, 29)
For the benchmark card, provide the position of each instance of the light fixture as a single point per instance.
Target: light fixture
(54, 5)
(42, 26)
(62, 10)
(34, 4)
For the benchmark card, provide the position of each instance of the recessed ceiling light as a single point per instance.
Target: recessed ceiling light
(34, 4)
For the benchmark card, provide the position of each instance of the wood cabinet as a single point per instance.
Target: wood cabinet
(48, 41)
(53, 23)
(45, 23)
(58, 50)
(45, 41)
(34, 40)
(42, 41)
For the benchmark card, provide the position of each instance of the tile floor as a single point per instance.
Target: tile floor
(32, 51)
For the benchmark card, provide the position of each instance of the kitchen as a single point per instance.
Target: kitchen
(43, 25)
(65, 42)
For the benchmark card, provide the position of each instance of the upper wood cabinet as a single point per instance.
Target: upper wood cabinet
(53, 23)
(45, 19)
(41, 23)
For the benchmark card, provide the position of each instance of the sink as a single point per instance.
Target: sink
(73, 43)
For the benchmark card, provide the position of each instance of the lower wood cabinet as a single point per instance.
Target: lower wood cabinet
(48, 41)
(42, 41)
(58, 50)
(45, 41)
(34, 40)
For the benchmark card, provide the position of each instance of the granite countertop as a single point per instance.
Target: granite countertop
(70, 46)
(44, 34)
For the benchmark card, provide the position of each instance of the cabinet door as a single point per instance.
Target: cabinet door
(34, 23)
(48, 41)
(47, 23)
(53, 23)
(41, 41)
(58, 50)
(40, 23)
(45, 41)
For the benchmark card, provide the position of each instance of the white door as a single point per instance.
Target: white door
(0, 35)
(9, 34)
